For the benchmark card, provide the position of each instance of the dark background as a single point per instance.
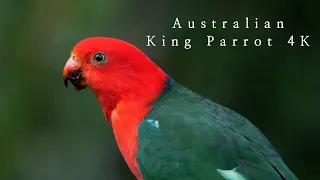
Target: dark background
(50, 132)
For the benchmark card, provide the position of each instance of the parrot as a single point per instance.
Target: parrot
(164, 130)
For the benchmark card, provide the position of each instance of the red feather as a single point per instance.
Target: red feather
(125, 86)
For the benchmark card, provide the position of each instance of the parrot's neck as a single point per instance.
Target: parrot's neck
(131, 93)
(125, 111)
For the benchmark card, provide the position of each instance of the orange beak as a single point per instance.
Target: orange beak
(72, 72)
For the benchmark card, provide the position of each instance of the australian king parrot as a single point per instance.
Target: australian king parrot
(164, 130)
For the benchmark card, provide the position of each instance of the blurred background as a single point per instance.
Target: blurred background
(50, 132)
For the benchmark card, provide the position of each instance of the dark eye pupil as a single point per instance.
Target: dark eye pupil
(99, 57)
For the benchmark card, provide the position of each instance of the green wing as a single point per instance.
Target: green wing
(187, 137)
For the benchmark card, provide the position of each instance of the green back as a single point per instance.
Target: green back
(188, 137)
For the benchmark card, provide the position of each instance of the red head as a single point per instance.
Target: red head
(114, 70)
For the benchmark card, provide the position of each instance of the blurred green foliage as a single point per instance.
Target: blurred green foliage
(49, 132)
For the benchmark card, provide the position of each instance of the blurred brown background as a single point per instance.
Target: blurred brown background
(50, 132)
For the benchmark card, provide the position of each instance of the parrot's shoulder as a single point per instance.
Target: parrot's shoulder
(186, 136)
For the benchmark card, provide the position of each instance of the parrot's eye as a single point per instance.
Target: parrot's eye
(99, 58)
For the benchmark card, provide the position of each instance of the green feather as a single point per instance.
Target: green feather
(231, 174)
(188, 137)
